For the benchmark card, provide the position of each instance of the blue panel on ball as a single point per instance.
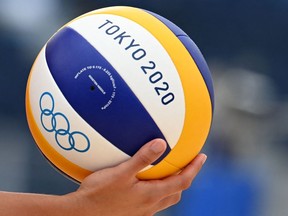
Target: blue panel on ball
(194, 52)
(98, 93)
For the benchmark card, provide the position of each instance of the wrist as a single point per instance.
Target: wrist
(73, 204)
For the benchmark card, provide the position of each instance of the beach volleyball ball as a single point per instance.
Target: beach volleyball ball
(111, 80)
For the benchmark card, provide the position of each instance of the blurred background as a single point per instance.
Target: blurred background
(245, 44)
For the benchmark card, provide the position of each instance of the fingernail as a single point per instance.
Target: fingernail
(158, 147)
(204, 158)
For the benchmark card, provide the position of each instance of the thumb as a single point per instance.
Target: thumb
(149, 153)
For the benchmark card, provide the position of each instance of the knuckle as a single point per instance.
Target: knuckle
(145, 159)
(177, 198)
(173, 200)
(185, 183)
(121, 171)
(114, 172)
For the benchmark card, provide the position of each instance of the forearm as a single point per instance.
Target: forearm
(27, 204)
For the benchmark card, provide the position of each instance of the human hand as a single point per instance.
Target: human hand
(117, 191)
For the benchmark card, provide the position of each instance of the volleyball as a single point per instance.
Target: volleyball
(111, 80)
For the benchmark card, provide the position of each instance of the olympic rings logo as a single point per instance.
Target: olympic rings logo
(63, 137)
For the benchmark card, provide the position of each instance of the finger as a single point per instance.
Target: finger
(145, 156)
(192, 169)
(168, 202)
(182, 181)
